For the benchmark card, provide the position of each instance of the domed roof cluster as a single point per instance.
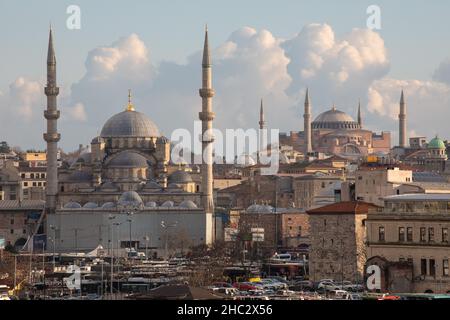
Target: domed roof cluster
(129, 123)
(334, 119)
(80, 176)
(128, 159)
(131, 198)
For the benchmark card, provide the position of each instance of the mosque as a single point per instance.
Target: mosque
(121, 190)
(335, 132)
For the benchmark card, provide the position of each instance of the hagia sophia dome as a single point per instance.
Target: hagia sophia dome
(334, 119)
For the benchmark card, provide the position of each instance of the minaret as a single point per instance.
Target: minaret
(307, 125)
(402, 122)
(207, 116)
(359, 114)
(262, 134)
(52, 136)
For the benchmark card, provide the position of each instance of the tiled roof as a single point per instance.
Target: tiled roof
(353, 207)
(24, 204)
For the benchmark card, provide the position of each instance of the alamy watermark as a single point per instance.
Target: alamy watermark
(73, 21)
(74, 281)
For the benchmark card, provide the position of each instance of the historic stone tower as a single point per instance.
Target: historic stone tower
(52, 136)
(402, 122)
(307, 125)
(207, 116)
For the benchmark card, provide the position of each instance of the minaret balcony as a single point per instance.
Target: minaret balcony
(206, 116)
(52, 137)
(52, 114)
(51, 91)
(207, 93)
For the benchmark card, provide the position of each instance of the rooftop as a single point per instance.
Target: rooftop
(419, 197)
(353, 207)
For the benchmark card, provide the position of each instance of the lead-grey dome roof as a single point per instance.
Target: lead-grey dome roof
(90, 205)
(80, 176)
(334, 119)
(72, 205)
(129, 159)
(180, 176)
(188, 204)
(130, 198)
(129, 124)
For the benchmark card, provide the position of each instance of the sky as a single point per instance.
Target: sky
(261, 49)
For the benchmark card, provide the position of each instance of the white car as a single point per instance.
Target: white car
(328, 286)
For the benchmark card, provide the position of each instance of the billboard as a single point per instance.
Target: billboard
(39, 242)
(2, 244)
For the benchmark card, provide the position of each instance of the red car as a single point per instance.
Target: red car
(222, 285)
(244, 286)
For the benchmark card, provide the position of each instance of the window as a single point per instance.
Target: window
(423, 234)
(430, 234)
(410, 260)
(12, 221)
(299, 231)
(432, 268)
(381, 234)
(11, 231)
(401, 234)
(445, 272)
(25, 184)
(409, 234)
(445, 235)
(423, 267)
(23, 175)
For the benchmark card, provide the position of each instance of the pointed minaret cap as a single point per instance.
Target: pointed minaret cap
(206, 62)
(307, 97)
(359, 113)
(51, 58)
(402, 98)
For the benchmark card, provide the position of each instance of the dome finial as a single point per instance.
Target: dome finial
(130, 106)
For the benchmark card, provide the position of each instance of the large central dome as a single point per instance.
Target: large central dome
(334, 119)
(129, 123)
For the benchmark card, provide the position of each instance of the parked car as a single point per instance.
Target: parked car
(328, 286)
(304, 285)
(228, 291)
(244, 286)
(222, 285)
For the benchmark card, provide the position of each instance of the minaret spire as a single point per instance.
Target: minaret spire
(262, 135)
(51, 136)
(307, 125)
(130, 106)
(359, 114)
(207, 117)
(262, 122)
(402, 122)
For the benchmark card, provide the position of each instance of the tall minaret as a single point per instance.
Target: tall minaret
(207, 116)
(307, 124)
(52, 136)
(359, 114)
(402, 122)
(262, 134)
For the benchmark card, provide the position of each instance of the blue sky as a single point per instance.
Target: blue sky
(415, 33)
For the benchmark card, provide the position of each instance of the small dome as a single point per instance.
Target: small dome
(130, 198)
(180, 176)
(72, 205)
(129, 159)
(151, 204)
(188, 204)
(129, 124)
(256, 208)
(167, 204)
(90, 205)
(80, 176)
(108, 205)
(436, 143)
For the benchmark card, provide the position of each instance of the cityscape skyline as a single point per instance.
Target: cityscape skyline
(279, 65)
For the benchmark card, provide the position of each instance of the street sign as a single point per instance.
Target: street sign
(230, 234)
(258, 237)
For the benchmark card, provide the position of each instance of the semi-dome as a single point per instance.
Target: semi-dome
(168, 204)
(108, 186)
(72, 205)
(108, 205)
(151, 204)
(188, 204)
(436, 143)
(129, 123)
(90, 205)
(334, 119)
(180, 176)
(130, 198)
(153, 185)
(129, 159)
